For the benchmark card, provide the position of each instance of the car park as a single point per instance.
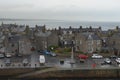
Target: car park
(107, 61)
(117, 60)
(97, 56)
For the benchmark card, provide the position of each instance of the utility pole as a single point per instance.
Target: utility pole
(72, 62)
(72, 57)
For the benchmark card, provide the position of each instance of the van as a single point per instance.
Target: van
(42, 59)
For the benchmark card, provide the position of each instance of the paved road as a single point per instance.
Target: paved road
(16, 62)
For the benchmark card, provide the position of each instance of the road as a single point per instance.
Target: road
(16, 62)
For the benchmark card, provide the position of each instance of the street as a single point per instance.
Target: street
(33, 62)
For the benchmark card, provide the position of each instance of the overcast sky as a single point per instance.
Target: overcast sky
(78, 10)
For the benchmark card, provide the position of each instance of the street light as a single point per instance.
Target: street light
(72, 61)
(72, 57)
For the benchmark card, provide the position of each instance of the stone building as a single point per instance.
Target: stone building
(18, 45)
(45, 38)
(67, 35)
(87, 42)
(114, 43)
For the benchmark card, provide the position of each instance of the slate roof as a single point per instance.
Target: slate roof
(94, 36)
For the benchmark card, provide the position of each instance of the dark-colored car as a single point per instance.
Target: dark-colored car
(2, 55)
(7, 62)
(113, 57)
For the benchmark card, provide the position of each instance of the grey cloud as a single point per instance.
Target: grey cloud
(16, 7)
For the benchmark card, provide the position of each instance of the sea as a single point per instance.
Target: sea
(51, 24)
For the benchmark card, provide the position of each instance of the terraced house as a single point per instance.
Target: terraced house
(87, 42)
(44, 38)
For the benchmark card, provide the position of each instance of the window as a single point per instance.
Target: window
(90, 42)
(114, 43)
(61, 38)
(76, 41)
(80, 41)
(98, 42)
(12, 45)
(90, 49)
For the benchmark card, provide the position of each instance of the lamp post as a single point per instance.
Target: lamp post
(72, 61)
(72, 57)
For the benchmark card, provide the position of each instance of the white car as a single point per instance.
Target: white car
(117, 60)
(42, 59)
(53, 54)
(97, 56)
(107, 60)
(8, 55)
(25, 62)
(2, 55)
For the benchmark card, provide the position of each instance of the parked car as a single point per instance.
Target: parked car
(82, 56)
(40, 51)
(46, 52)
(113, 57)
(25, 62)
(42, 59)
(117, 60)
(53, 54)
(19, 55)
(97, 56)
(82, 60)
(8, 55)
(107, 61)
(7, 62)
(2, 55)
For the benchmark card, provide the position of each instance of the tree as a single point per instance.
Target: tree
(27, 30)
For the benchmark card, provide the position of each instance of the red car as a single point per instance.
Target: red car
(82, 56)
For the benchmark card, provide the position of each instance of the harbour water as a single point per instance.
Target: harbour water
(64, 24)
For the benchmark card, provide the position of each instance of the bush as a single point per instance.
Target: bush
(52, 48)
(67, 50)
(80, 52)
